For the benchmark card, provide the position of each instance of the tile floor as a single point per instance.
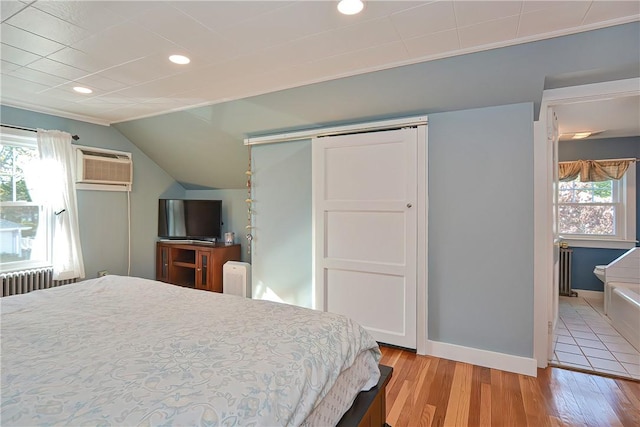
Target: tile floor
(586, 340)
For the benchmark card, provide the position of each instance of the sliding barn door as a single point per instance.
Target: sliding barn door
(365, 223)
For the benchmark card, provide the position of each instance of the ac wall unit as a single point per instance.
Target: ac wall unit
(103, 169)
(236, 278)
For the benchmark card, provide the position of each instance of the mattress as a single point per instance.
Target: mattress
(130, 351)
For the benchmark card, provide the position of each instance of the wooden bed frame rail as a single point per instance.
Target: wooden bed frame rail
(369, 409)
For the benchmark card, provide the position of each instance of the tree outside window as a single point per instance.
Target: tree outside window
(588, 208)
(18, 213)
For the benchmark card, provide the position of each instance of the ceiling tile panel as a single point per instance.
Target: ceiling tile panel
(65, 93)
(474, 12)
(220, 16)
(381, 9)
(242, 67)
(555, 18)
(15, 85)
(100, 83)
(368, 34)
(393, 53)
(57, 69)
(317, 46)
(433, 45)
(212, 48)
(124, 43)
(8, 67)
(285, 24)
(277, 57)
(604, 11)
(38, 77)
(17, 56)
(81, 60)
(196, 79)
(362, 60)
(90, 15)
(48, 26)
(28, 41)
(107, 99)
(9, 8)
(130, 9)
(489, 32)
(173, 25)
(151, 90)
(535, 6)
(144, 69)
(430, 18)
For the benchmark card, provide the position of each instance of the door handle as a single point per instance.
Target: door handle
(409, 205)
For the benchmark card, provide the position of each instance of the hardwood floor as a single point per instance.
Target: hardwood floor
(427, 391)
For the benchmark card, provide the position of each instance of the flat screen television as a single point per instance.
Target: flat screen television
(190, 219)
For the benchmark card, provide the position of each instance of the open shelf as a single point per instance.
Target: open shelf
(196, 266)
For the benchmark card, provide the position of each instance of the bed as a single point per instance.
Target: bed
(136, 352)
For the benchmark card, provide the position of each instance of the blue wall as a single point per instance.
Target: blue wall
(585, 259)
(283, 246)
(481, 228)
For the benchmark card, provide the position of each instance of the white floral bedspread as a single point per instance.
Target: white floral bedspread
(127, 351)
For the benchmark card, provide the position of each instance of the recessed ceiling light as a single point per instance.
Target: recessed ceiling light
(350, 7)
(81, 89)
(581, 135)
(179, 59)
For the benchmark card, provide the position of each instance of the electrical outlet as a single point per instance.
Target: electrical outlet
(102, 273)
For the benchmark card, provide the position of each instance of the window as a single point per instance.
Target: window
(602, 211)
(24, 224)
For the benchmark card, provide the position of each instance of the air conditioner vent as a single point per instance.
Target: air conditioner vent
(106, 155)
(104, 168)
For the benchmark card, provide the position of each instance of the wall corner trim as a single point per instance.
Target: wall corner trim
(485, 358)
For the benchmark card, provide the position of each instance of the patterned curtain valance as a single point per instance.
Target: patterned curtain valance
(593, 170)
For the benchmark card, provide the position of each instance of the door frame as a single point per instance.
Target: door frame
(544, 296)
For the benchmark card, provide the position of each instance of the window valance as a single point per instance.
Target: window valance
(593, 170)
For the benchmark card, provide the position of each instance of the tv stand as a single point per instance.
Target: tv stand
(188, 241)
(194, 264)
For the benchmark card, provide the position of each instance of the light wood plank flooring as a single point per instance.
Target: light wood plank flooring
(427, 391)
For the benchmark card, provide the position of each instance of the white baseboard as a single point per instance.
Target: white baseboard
(488, 359)
(590, 294)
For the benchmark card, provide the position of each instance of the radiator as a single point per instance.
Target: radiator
(21, 282)
(565, 273)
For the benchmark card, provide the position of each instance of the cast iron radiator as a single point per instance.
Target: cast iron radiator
(565, 273)
(21, 282)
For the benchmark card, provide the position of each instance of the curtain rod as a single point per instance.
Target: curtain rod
(74, 137)
(633, 159)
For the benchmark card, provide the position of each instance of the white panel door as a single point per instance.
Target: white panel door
(365, 221)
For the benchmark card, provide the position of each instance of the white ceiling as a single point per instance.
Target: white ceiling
(245, 48)
(605, 118)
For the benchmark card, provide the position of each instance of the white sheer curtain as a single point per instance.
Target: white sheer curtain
(57, 187)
